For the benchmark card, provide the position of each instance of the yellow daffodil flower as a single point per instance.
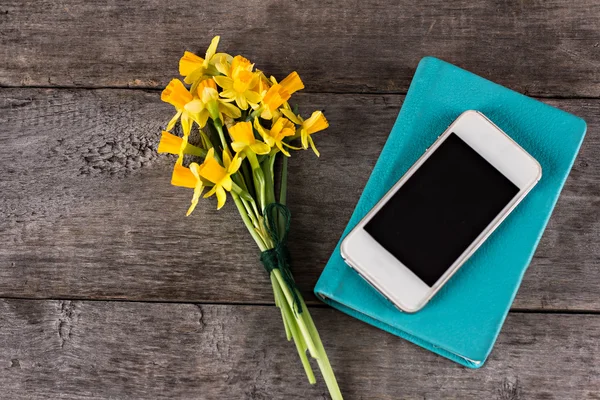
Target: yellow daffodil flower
(172, 144)
(292, 83)
(181, 176)
(243, 139)
(278, 98)
(275, 97)
(189, 178)
(238, 83)
(193, 68)
(315, 123)
(274, 137)
(177, 95)
(208, 104)
(220, 176)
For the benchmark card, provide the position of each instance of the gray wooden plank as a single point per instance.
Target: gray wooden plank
(541, 48)
(87, 210)
(123, 350)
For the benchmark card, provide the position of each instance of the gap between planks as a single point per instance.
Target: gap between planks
(310, 304)
(327, 92)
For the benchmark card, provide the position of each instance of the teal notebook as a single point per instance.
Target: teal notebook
(464, 319)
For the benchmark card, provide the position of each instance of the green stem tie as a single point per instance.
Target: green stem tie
(279, 256)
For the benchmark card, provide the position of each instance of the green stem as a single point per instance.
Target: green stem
(256, 212)
(247, 177)
(259, 179)
(219, 127)
(241, 209)
(254, 114)
(246, 198)
(238, 178)
(290, 299)
(267, 167)
(291, 325)
(283, 185)
(241, 192)
(206, 143)
(322, 360)
(250, 213)
(278, 302)
(310, 335)
(282, 192)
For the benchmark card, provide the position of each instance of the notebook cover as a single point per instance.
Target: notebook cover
(464, 318)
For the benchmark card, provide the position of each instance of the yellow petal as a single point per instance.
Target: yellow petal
(173, 121)
(221, 197)
(240, 100)
(210, 192)
(292, 147)
(292, 83)
(209, 94)
(291, 116)
(194, 106)
(195, 169)
(202, 117)
(223, 81)
(210, 153)
(262, 84)
(266, 113)
(252, 97)
(304, 138)
(229, 94)
(238, 146)
(226, 158)
(169, 143)
(260, 148)
(183, 177)
(189, 62)
(282, 149)
(222, 64)
(218, 57)
(235, 164)
(314, 148)
(226, 184)
(195, 198)
(194, 76)
(230, 110)
(212, 170)
(186, 124)
(212, 49)
(261, 131)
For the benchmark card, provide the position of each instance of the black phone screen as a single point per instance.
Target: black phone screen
(441, 209)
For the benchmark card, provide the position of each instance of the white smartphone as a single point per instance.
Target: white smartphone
(444, 207)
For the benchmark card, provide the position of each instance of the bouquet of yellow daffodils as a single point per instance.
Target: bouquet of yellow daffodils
(243, 123)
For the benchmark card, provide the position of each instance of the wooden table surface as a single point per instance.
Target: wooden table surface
(107, 291)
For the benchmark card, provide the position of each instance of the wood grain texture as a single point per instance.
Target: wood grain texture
(547, 48)
(102, 350)
(87, 210)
